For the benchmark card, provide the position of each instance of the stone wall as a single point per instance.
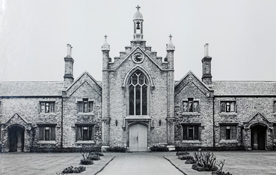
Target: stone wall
(119, 72)
(84, 87)
(191, 87)
(246, 109)
(26, 112)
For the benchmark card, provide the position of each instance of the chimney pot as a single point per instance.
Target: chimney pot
(69, 50)
(206, 54)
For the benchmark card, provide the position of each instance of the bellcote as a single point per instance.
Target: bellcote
(138, 25)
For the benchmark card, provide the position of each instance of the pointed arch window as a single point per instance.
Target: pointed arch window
(138, 94)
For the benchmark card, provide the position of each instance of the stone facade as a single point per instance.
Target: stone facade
(137, 105)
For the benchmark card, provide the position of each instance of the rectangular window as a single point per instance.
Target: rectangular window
(274, 128)
(191, 105)
(85, 106)
(228, 132)
(85, 132)
(47, 107)
(274, 106)
(190, 132)
(228, 106)
(47, 132)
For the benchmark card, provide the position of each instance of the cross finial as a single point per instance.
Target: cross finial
(105, 36)
(138, 7)
(170, 37)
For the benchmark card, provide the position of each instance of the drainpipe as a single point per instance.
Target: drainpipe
(61, 123)
(214, 136)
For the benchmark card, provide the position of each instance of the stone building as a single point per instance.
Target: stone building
(137, 104)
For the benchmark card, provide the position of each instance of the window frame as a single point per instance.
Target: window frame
(196, 129)
(191, 101)
(80, 129)
(273, 106)
(143, 100)
(274, 132)
(228, 128)
(227, 106)
(85, 106)
(50, 109)
(51, 128)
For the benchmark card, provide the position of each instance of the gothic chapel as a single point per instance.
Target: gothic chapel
(137, 105)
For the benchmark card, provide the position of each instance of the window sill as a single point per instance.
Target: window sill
(191, 113)
(49, 113)
(87, 113)
(228, 141)
(47, 142)
(85, 142)
(191, 141)
(137, 117)
(228, 114)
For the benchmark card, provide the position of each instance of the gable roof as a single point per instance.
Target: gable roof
(187, 80)
(187, 75)
(244, 88)
(31, 88)
(82, 75)
(133, 51)
(84, 78)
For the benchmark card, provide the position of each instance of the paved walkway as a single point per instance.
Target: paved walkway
(140, 164)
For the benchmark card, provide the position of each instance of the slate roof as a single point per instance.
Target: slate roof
(244, 87)
(31, 88)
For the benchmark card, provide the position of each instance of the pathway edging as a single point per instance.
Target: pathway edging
(174, 165)
(104, 166)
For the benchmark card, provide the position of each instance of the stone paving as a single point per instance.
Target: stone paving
(140, 164)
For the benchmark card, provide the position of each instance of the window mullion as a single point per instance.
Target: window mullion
(141, 102)
(134, 99)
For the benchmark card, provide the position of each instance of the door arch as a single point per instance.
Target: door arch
(258, 137)
(16, 138)
(138, 137)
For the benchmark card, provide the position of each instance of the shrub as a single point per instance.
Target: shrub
(86, 162)
(220, 167)
(72, 169)
(96, 153)
(205, 162)
(159, 148)
(116, 149)
(190, 160)
(185, 157)
(178, 153)
(93, 157)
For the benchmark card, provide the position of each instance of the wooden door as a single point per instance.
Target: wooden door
(138, 138)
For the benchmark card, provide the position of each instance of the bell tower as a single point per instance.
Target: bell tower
(138, 25)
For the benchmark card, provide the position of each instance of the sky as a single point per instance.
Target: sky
(34, 35)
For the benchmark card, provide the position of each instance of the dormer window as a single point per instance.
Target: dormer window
(85, 106)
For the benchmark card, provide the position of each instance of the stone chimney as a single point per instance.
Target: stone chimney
(69, 62)
(206, 67)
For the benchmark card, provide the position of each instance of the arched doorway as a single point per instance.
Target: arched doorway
(16, 138)
(138, 137)
(258, 137)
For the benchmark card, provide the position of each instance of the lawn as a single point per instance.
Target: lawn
(46, 163)
(236, 162)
